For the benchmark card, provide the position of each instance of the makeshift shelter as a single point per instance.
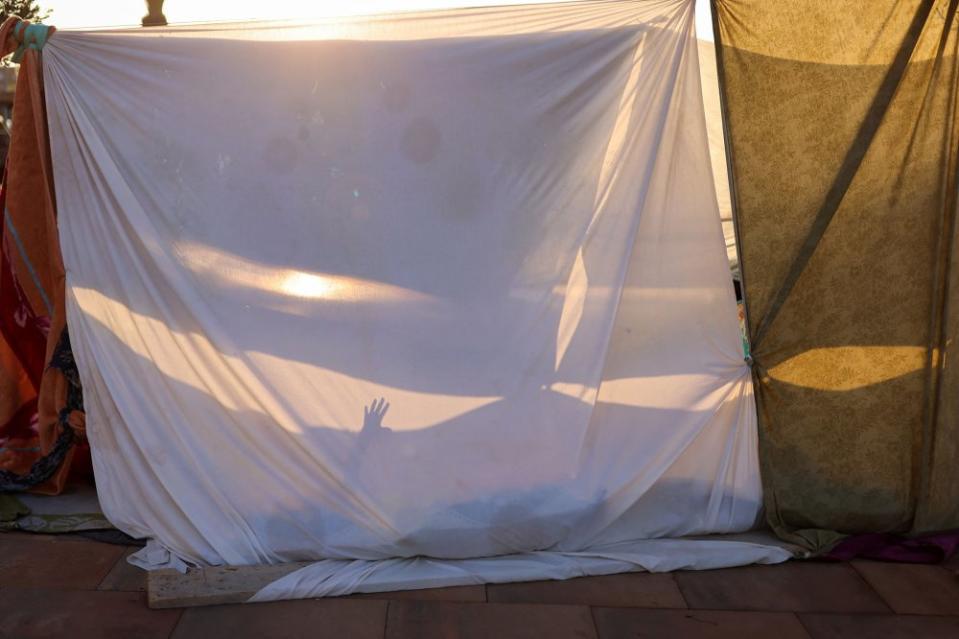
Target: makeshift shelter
(502, 221)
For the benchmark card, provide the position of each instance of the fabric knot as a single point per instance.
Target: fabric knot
(30, 36)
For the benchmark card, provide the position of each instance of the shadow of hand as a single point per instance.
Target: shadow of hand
(373, 415)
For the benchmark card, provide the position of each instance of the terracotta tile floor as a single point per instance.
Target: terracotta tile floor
(68, 587)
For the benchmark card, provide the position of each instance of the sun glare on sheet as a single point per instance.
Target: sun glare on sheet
(234, 271)
(307, 285)
(71, 14)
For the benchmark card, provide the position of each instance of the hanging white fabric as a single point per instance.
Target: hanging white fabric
(499, 220)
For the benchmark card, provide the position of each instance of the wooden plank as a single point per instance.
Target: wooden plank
(213, 585)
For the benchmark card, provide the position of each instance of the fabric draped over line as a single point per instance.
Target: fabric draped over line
(41, 416)
(842, 125)
(501, 220)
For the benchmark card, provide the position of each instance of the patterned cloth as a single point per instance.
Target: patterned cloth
(41, 408)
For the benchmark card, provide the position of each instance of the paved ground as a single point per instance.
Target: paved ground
(54, 587)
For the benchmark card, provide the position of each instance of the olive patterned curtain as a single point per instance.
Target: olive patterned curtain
(841, 119)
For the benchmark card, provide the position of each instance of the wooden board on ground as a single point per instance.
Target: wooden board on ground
(213, 585)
